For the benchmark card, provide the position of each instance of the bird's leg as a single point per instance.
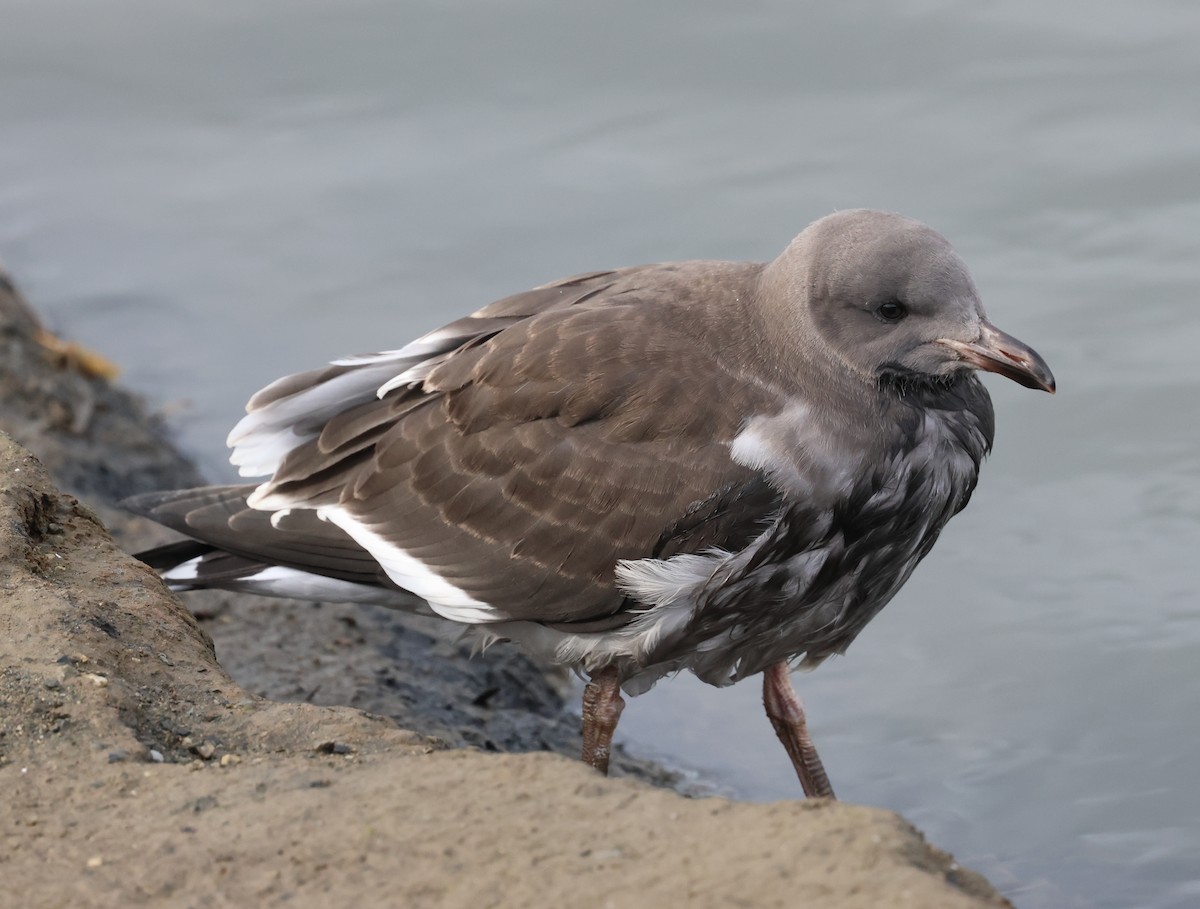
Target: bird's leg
(786, 714)
(602, 706)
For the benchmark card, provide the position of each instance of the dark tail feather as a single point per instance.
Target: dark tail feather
(164, 558)
(234, 541)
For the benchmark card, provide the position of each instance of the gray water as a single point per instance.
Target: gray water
(216, 194)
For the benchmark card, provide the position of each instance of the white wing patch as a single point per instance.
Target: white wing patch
(428, 345)
(413, 575)
(261, 452)
(184, 571)
(264, 437)
(278, 581)
(413, 375)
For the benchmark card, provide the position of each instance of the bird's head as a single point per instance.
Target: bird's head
(887, 295)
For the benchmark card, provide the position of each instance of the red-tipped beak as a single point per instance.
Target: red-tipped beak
(1000, 353)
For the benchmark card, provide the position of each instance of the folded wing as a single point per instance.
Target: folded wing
(501, 466)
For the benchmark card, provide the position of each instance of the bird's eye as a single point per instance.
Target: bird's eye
(891, 311)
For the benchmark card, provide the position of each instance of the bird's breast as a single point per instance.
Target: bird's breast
(831, 559)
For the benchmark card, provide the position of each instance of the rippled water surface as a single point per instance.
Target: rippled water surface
(215, 194)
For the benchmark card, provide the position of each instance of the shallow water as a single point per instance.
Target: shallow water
(216, 194)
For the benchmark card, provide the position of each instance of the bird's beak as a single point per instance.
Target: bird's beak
(1001, 353)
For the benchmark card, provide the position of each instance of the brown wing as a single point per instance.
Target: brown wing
(523, 464)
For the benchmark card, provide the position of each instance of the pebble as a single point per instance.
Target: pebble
(206, 750)
(98, 680)
(95, 861)
(156, 756)
(228, 760)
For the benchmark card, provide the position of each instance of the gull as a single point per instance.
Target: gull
(727, 468)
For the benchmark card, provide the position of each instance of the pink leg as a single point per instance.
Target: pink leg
(786, 714)
(602, 706)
